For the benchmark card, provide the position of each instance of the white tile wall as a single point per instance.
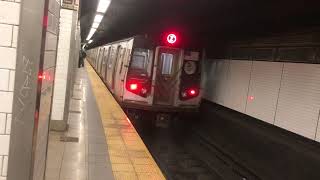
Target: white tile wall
(6, 102)
(5, 166)
(8, 124)
(8, 57)
(318, 129)
(264, 90)
(62, 64)
(299, 99)
(11, 80)
(6, 34)
(1, 161)
(10, 12)
(219, 77)
(51, 41)
(238, 82)
(4, 83)
(3, 120)
(208, 71)
(15, 36)
(9, 25)
(4, 141)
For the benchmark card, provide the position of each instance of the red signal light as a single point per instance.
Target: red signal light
(171, 38)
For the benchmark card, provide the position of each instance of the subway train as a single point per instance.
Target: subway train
(145, 76)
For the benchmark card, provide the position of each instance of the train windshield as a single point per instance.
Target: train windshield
(140, 61)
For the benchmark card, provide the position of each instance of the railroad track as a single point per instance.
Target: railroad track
(217, 159)
(174, 160)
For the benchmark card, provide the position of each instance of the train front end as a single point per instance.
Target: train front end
(163, 79)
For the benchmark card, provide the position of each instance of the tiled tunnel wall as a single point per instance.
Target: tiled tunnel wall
(284, 94)
(9, 25)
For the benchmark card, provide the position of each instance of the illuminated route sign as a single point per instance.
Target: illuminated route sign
(172, 38)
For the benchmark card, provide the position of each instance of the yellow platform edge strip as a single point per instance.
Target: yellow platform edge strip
(130, 158)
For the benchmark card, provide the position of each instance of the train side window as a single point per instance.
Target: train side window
(167, 60)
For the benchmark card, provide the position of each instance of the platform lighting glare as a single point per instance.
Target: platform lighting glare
(98, 18)
(91, 33)
(103, 6)
(95, 25)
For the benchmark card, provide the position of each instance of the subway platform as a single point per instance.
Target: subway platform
(100, 142)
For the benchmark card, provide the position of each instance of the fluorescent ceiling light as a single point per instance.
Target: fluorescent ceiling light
(91, 33)
(103, 6)
(95, 25)
(98, 18)
(90, 41)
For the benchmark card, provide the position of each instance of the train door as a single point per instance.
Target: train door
(166, 75)
(118, 73)
(103, 63)
(100, 61)
(105, 67)
(117, 58)
(97, 59)
(110, 63)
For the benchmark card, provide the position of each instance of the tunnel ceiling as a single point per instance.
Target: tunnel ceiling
(199, 22)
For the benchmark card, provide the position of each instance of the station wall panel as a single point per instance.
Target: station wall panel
(264, 90)
(280, 93)
(299, 99)
(237, 85)
(318, 130)
(218, 77)
(208, 81)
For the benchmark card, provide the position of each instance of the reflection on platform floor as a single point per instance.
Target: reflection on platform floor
(81, 152)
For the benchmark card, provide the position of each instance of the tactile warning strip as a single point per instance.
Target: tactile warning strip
(130, 158)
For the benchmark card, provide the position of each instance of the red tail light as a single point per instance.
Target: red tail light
(189, 93)
(133, 87)
(192, 92)
(138, 87)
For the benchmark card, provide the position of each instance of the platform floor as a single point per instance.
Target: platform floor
(100, 143)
